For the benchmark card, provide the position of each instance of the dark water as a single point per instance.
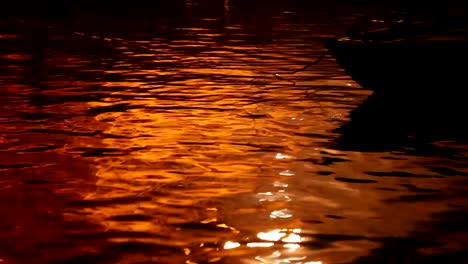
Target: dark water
(166, 139)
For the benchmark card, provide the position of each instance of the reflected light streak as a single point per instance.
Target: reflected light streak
(277, 258)
(260, 244)
(228, 227)
(280, 184)
(211, 220)
(292, 247)
(273, 196)
(282, 156)
(123, 84)
(292, 238)
(287, 173)
(274, 235)
(231, 245)
(284, 213)
(297, 119)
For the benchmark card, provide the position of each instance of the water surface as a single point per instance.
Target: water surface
(151, 140)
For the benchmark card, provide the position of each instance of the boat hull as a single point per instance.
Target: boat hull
(423, 68)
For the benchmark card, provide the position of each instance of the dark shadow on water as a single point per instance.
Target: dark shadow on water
(422, 247)
(386, 121)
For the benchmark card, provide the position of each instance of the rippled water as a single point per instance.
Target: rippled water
(137, 142)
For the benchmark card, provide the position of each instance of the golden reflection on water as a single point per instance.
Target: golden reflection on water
(185, 156)
(192, 147)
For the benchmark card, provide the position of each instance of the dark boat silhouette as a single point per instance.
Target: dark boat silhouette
(421, 58)
(417, 72)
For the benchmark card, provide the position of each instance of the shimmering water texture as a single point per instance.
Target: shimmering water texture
(176, 144)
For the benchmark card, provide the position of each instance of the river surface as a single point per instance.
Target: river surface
(168, 140)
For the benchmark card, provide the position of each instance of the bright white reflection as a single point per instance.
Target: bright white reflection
(280, 184)
(273, 256)
(282, 156)
(297, 118)
(277, 258)
(292, 238)
(287, 173)
(271, 197)
(274, 235)
(260, 244)
(231, 245)
(284, 213)
(292, 247)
